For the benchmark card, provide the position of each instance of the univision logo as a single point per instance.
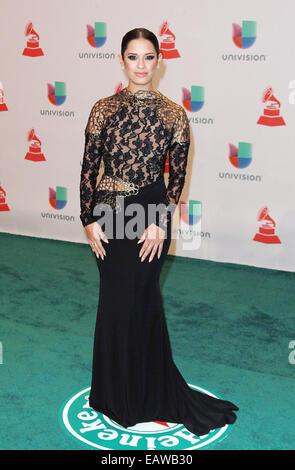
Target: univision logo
(99, 431)
(244, 37)
(58, 197)
(56, 95)
(96, 37)
(58, 200)
(189, 228)
(193, 100)
(240, 156)
(191, 212)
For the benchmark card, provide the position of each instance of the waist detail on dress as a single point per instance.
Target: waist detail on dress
(111, 186)
(114, 183)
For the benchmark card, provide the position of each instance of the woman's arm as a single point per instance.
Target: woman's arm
(178, 153)
(91, 161)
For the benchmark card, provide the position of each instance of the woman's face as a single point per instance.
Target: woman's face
(140, 61)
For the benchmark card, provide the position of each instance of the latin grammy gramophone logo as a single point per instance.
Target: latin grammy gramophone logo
(271, 113)
(34, 154)
(167, 43)
(266, 233)
(58, 197)
(3, 106)
(240, 156)
(33, 49)
(244, 36)
(3, 205)
(193, 99)
(97, 35)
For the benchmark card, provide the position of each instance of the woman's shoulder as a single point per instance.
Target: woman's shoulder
(172, 106)
(175, 116)
(173, 113)
(105, 105)
(105, 100)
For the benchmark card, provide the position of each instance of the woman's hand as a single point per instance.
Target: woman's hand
(154, 240)
(94, 234)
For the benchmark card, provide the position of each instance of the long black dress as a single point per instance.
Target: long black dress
(134, 377)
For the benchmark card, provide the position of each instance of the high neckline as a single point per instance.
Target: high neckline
(139, 95)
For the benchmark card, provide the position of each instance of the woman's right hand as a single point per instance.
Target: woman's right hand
(94, 234)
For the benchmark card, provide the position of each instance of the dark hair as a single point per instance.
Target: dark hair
(139, 33)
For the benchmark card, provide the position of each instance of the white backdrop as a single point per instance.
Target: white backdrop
(204, 57)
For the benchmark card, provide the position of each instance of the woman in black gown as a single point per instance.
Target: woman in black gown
(134, 377)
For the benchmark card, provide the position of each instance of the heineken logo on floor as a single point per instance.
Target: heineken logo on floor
(99, 431)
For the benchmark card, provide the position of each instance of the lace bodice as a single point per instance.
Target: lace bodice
(132, 133)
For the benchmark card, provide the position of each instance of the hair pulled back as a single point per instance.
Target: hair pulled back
(139, 33)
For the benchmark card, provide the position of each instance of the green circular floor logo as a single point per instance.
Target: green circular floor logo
(98, 430)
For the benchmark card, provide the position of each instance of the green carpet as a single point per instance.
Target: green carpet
(230, 327)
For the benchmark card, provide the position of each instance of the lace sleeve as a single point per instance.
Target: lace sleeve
(91, 162)
(178, 153)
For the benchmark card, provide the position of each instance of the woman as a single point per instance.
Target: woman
(134, 377)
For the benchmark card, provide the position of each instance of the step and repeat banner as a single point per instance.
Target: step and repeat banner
(228, 63)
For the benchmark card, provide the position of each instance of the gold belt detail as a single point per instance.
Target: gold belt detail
(112, 185)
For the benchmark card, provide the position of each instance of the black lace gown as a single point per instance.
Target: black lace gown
(134, 377)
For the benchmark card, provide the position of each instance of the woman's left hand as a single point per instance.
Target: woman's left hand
(153, 238)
